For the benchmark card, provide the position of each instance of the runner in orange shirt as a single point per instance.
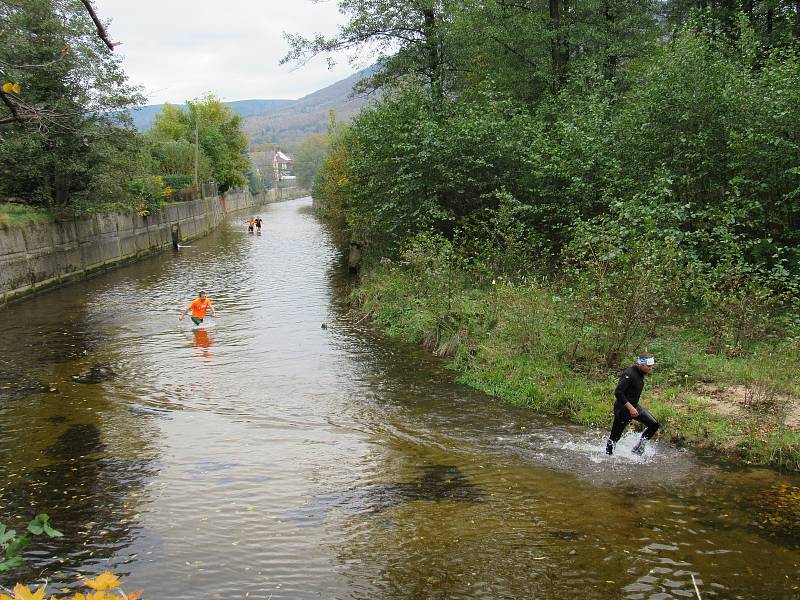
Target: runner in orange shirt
(199, 307)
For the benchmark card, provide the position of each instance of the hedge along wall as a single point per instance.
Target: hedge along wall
(50, 254)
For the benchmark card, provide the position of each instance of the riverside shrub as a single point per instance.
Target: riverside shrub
(695, 147)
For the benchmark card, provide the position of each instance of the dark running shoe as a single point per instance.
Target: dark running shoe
(639, 447)
(609, 447)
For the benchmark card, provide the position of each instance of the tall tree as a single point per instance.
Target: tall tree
(408, 38)
(222, 143)
(62, 86)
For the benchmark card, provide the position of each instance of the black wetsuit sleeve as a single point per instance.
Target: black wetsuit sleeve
(622, 388)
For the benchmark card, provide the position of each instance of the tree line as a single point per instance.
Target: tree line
(67, 143)
(643, 154)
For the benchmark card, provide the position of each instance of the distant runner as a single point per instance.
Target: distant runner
(250, 224)
(629, 389)
(258, 224)
(199, 307)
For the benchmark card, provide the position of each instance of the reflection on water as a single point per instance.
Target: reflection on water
(269, 456)
(436, 483)
(202, 341)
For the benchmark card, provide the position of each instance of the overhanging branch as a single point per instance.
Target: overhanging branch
(10, 105)
(101, 30)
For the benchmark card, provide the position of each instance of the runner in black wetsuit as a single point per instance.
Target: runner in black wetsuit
(628, 391)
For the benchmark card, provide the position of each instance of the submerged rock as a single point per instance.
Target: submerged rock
(95, 374)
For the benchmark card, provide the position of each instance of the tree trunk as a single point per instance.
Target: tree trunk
(770, 18)
(612, 60)
(747, 7)
(797, 18)
(557, 43)
(433, 54)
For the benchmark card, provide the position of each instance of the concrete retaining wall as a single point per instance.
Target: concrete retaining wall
(50, 254)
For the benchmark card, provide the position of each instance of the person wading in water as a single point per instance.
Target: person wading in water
(199, 306)
(628, 391)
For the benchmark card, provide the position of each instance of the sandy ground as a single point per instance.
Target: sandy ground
(739, 400)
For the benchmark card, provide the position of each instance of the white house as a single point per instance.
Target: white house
(283, 164)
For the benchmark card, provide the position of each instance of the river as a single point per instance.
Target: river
(267, 456)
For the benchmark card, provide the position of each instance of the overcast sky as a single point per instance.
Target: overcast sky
(180, 49)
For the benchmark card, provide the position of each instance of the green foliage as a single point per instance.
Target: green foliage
(41, 524)
(255, 184)
(693, 146)
(623, 288)
(550, 186)
(408, 38)
(430, 165)
(309, 158)
(221, 139)
(13, 544)
(19, 215)
(511, 340)
(331, 183)
(177, 182)
(148, 194)
(64, 145)
(176, 158)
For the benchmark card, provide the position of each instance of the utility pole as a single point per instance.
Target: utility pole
(197, 153)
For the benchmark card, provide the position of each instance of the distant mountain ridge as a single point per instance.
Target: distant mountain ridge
(279, 121)
(143, 117)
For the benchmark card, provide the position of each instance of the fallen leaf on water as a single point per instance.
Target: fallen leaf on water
(104, 581)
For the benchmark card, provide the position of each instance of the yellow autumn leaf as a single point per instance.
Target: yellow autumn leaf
(93, 596)
(104, 581)
(7, 87)
(16, 88)
(21, 592)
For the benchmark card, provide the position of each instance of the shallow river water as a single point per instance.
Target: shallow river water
(268, 457)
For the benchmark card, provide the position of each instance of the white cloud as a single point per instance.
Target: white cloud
(180, 49)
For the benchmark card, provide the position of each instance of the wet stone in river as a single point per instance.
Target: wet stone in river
(94, 374)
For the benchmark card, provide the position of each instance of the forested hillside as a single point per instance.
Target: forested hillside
(557, 186)
(286, 121)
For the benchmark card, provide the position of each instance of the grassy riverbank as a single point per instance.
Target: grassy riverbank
(21, 215)
(515, 341)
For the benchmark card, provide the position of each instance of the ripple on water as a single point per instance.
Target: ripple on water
(267, 456)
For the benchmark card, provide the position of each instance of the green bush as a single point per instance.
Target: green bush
(178, 182)
(148, 194)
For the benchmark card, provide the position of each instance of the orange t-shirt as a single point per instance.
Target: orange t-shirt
(199, 307)
(251, 222)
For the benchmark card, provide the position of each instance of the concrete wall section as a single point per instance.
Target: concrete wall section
(50, 254)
